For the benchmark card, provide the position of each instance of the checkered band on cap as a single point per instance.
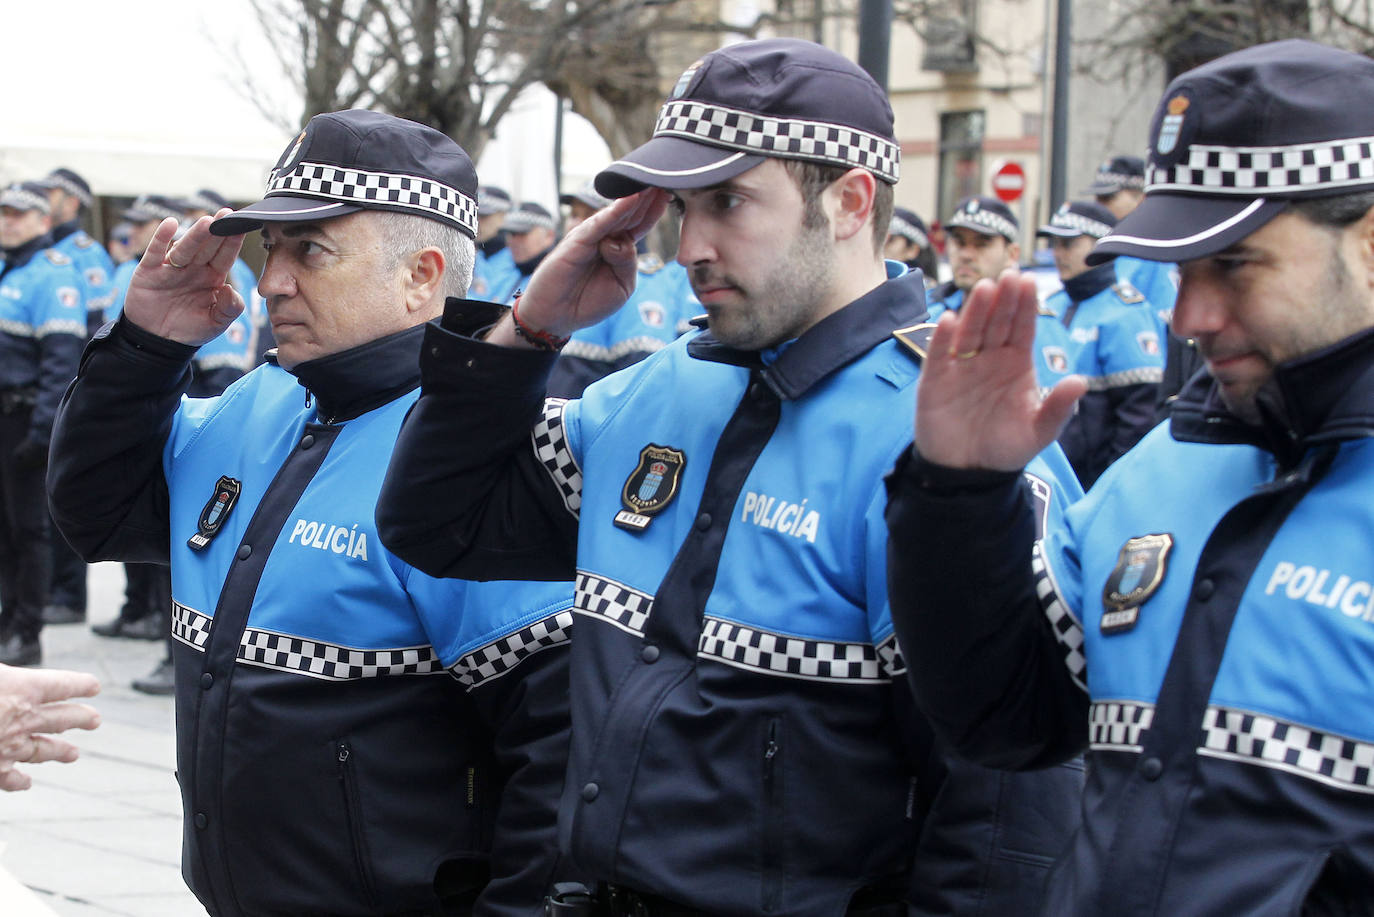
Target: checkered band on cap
(24, 199)
(907, 230)
(1266, 741)
(1275, 171)
(1084, 226)
(984, 219)
(789, 138)
(1121, 180)
(65, 184)
(384, 190)
(521, 220)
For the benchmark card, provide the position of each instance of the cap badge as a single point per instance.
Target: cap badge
(1140, 568)
(1171, 126)
(685, 80)
(650, 487)
(216, 511)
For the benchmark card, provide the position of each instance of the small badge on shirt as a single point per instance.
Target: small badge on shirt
(650, 487)
(216, 511)
(1140, 568)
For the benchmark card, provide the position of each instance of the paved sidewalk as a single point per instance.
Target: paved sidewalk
(101, 836)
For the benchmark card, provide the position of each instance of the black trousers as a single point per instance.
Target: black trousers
(147, 592)
(68, 574)
(25, 555)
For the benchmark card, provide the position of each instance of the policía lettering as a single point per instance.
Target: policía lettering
(781, 516)
(1324, 588)
(340, 539)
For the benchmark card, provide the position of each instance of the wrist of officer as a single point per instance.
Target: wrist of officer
(541, 339)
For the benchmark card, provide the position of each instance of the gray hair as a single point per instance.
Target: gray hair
(404, 234)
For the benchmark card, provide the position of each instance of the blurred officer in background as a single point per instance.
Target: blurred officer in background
(909, 242)
(495, 269)
(530, 232)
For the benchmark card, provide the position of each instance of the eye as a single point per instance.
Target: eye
(726, 200)
(676, 204)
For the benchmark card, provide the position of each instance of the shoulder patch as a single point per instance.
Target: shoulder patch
(56, 257)
(1045, 311)
(83, 240)
(649, 263)
(916, 338)
(1127, 293)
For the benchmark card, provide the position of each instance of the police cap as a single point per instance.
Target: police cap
(147, 207)
(492, 200)
(780, 97)
(26, 195)
(207, 200)
(909, 226)
(1120, 173)
(1235, 140)
(527, 216)
(347, 161)
(987, 216)
(1079, 218)
(584, 195)
(71, 183)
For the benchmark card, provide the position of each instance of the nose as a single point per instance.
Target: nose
(693, 245)
(276, 279)
(1200, 308)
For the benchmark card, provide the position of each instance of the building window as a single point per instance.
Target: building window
(950, 26)
(961, 158)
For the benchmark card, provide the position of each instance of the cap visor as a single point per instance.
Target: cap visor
(1181, 227)
(1062, 232)
(976, 227)
(672, 162)
(279, 210)
(1101, 189)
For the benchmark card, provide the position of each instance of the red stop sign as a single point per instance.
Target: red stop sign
(1009, 181)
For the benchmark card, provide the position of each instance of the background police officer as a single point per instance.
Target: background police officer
(981, 236)
(42, 328)
(908, 241)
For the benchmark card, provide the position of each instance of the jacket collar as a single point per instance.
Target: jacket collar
(352, 382)
(833, 342)
(1091, 282)
(21, 255)
(527, 267)
(63, 230)
(493, 245)
(1322, 397)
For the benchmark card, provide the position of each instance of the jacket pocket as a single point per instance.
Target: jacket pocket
(353, 814)
(773, 814)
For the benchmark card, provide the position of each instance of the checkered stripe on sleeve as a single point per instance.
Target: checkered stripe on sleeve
(1141, 375)
(1118, 725)
(1252, 738)
(1067, 629)
(356, 186)
(791, 657)
(489, 662)
(190, 626)
(1260, 171)
(551, 448)
(890, 657)
(332, 662)
(612, 602)
(789, 138)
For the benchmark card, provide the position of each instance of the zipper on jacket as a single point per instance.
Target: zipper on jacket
(772, 817)
(353, 814)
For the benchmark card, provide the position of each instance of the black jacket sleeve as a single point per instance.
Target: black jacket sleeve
(982, 659)
(106, 489)
(58, 357)
(467, 494)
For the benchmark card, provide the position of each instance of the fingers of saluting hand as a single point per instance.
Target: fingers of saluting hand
(199, 248)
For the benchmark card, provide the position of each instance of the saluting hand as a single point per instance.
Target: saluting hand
(978, 403)
(34, 704)
(591, 272)
(181, 292)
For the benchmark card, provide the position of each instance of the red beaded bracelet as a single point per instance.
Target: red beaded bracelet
(541, 339)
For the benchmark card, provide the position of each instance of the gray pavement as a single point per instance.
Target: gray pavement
(101, 836)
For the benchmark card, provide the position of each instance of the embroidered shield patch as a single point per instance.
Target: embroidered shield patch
(1140, 568)
(650, 487)
(215, 513)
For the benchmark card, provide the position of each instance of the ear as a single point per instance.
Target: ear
(850, 200)
(423, 278)
(1014, 253)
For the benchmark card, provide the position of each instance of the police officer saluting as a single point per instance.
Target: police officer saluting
(42, 328)
(743, 739)
(353, 737)
(1200, 621)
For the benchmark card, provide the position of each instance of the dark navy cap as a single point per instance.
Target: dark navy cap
(347, 161)
(986, 215)
(1120, 173)
(207, 200)
(26, 195)
(148, 207)
(491, 199)
(527, 216)
(780, 97)
(585, 195)
(68, 181)
(1079, 218)
(1235, 140)
(909, 226)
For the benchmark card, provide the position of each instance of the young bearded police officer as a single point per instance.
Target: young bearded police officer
(1114, 340)
(744, 742)
(1201, 620)
(353, 737)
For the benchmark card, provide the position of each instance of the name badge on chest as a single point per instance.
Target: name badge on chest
(650, 487)
(215, 513)
(1140, 568)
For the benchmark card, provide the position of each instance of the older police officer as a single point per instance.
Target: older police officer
(1200, 621)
